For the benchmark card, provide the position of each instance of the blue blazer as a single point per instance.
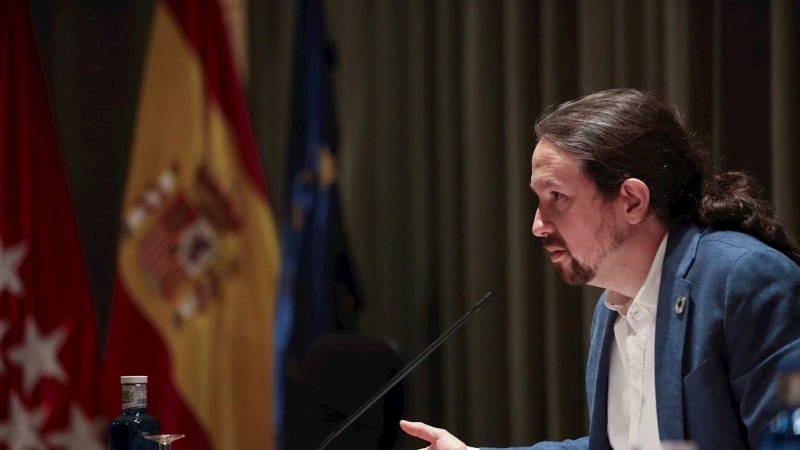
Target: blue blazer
(715, 360)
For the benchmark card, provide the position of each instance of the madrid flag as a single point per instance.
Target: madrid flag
(198, 255)
(48, 343)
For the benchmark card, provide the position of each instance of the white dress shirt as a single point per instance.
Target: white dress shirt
(632, 418)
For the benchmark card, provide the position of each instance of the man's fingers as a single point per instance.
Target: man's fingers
(421, 430)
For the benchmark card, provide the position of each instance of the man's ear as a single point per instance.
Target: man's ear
(635, 196)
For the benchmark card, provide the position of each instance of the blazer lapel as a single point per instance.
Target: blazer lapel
(598, 366)
(674, 310)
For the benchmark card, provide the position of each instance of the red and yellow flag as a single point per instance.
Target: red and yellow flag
(198, 256)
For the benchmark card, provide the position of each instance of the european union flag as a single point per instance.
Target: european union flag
(318, 292)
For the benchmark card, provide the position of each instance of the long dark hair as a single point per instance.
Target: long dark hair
(624, 133)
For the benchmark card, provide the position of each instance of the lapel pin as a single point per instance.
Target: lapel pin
(680, 304)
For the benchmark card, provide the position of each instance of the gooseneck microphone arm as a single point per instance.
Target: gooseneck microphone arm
(402, 374)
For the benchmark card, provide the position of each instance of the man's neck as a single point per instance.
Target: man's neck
(627, 268)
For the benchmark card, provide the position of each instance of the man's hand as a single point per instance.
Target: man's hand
(438, 438)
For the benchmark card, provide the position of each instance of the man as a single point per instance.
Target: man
(701, 282)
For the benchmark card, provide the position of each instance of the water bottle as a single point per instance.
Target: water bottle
(783, 431)
(128, 430)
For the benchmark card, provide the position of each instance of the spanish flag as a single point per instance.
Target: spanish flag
(198, 256)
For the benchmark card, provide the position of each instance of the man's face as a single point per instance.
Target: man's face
(576, 223)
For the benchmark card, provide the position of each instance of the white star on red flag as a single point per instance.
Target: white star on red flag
(10, 260)
(38, 356)
(22, 428)
(49, 367)
(81, 434)
(4, 326)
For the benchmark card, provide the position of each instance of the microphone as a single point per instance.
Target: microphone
(402, 374)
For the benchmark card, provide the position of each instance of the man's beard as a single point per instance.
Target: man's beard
(582, 273)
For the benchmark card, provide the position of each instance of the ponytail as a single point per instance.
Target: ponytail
(731, 201)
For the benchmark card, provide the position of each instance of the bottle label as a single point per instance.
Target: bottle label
(134, 396)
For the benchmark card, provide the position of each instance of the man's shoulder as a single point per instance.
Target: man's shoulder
(724, 248)
(734, 241)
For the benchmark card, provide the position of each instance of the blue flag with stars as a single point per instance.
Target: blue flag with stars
(318, 293)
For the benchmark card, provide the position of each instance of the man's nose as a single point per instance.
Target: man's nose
(540, 227)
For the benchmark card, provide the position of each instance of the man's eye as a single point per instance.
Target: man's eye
(556, 195)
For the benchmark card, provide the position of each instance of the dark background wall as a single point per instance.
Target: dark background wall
(92, 54)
